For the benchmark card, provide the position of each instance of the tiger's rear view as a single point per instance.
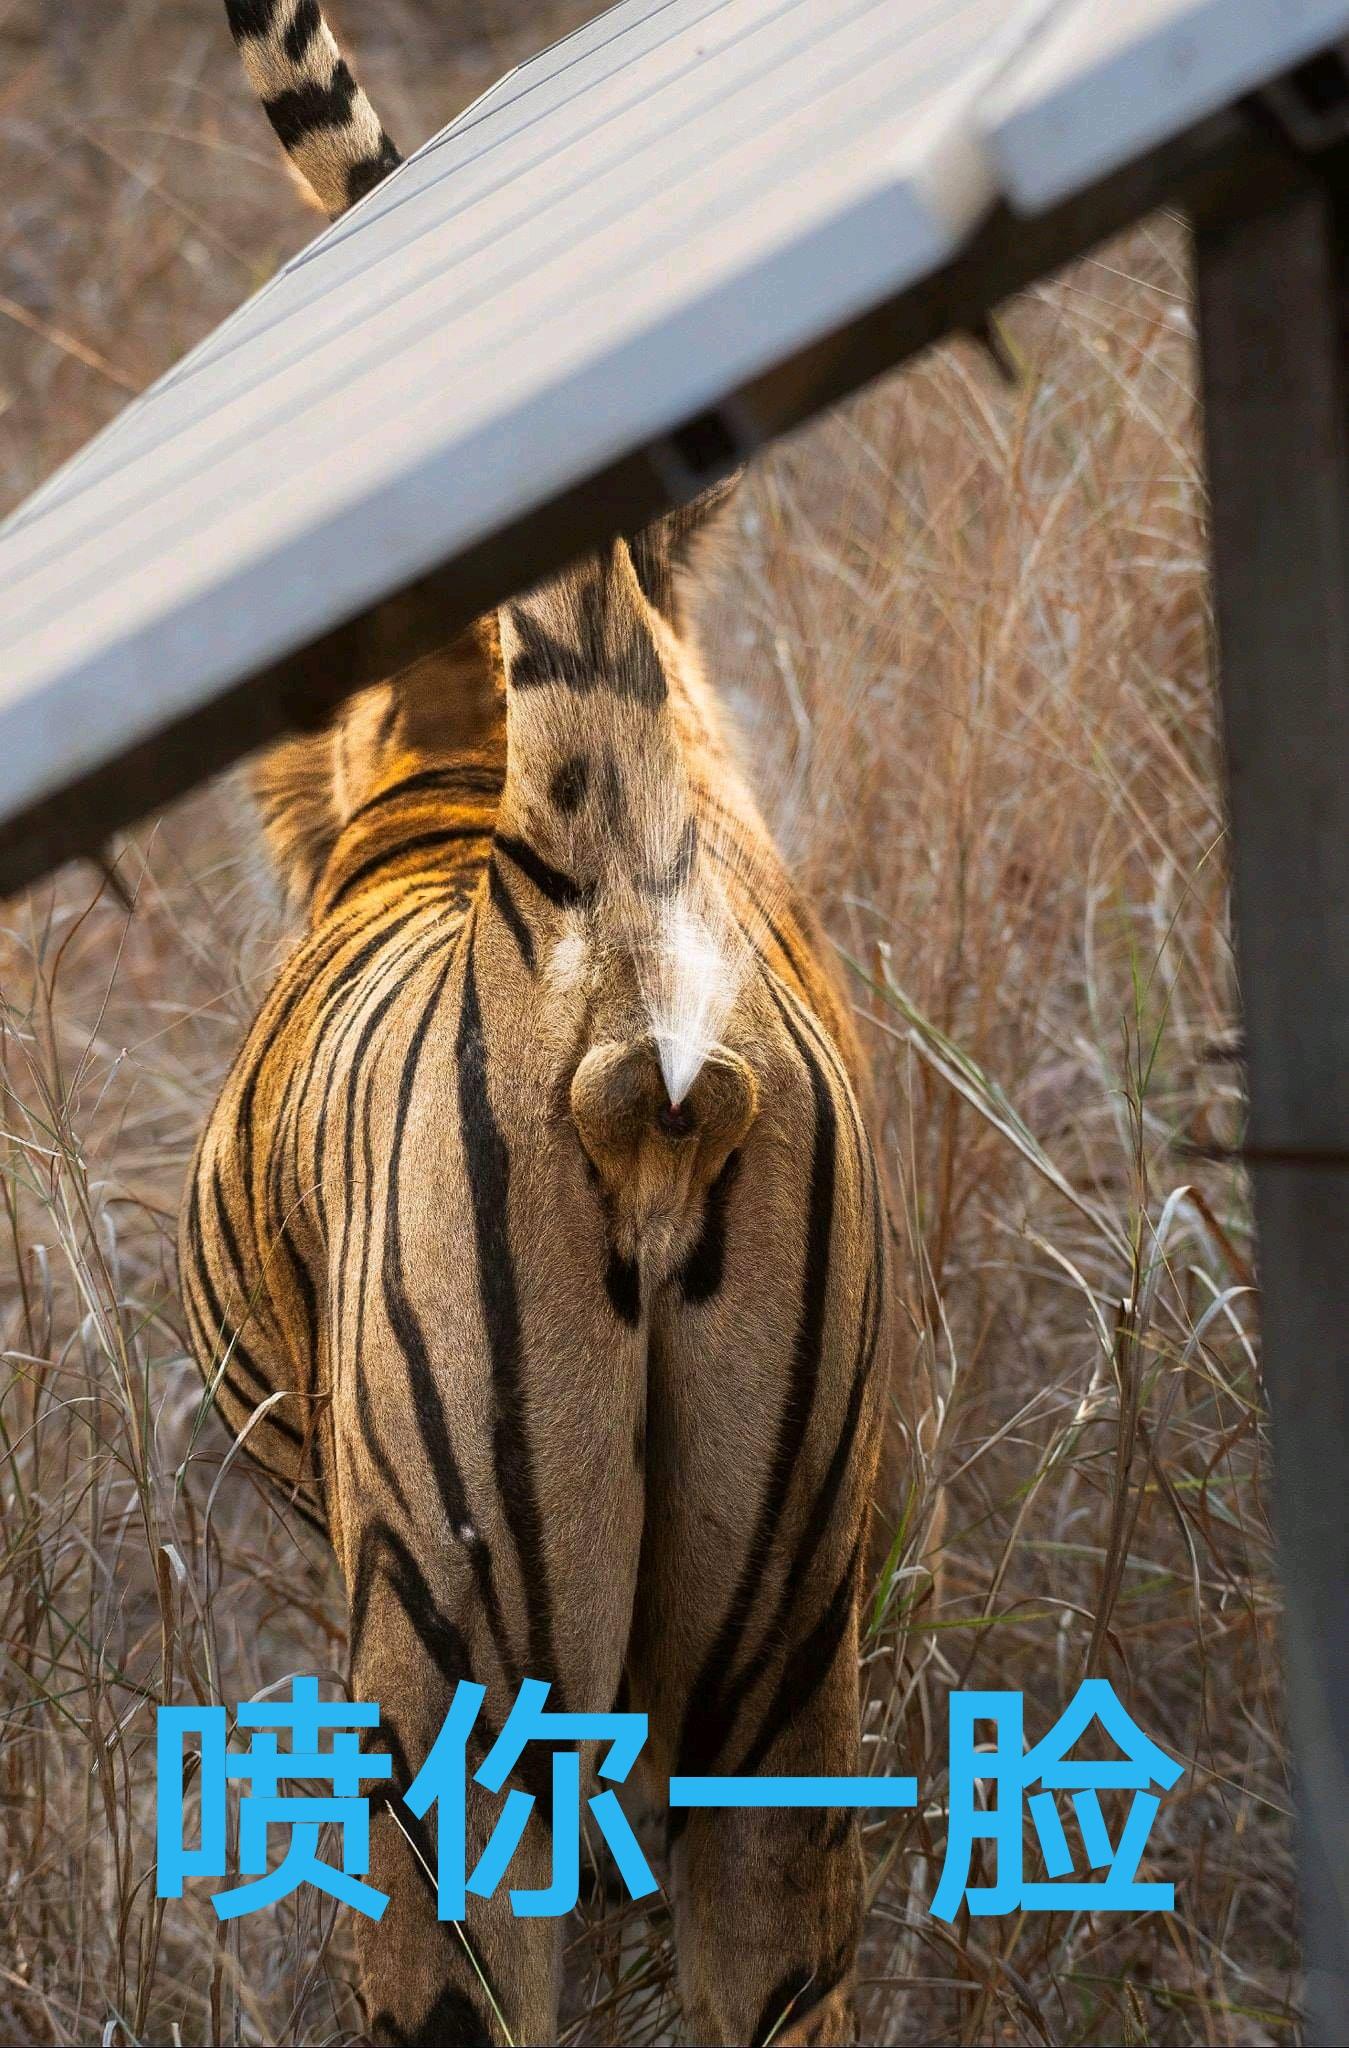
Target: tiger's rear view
(540, 1194)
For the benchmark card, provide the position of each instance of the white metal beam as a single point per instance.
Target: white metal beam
(1110, 79)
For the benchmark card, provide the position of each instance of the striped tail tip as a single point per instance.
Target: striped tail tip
(325, 123)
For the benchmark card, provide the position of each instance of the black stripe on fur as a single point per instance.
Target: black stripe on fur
(251, 17)
(303, 111)
(305, 24)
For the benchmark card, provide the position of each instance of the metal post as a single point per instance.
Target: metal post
(1272, 299)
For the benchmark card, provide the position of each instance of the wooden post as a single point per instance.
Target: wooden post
(1272, 307)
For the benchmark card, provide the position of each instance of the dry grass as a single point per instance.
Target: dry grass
(965, 626)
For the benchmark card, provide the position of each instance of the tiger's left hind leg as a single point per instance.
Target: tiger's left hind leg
(489, 1523)
(426, 1615)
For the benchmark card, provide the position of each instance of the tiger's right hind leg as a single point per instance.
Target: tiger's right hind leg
(769, 1381)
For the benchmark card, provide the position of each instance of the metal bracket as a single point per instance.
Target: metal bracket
(1310, 105)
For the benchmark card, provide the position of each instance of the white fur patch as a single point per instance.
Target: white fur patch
(568, 962)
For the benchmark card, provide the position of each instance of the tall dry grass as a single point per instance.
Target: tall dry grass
(964, 629)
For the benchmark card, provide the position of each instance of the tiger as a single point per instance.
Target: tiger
(537, 1250)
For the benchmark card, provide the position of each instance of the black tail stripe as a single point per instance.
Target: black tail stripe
(310, 107)
(305, 24)
(251, 17)
(369, 171)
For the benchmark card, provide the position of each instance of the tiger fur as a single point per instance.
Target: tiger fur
(322, 119)
(583, 1371)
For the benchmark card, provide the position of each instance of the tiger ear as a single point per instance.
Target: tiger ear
(665, 554)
